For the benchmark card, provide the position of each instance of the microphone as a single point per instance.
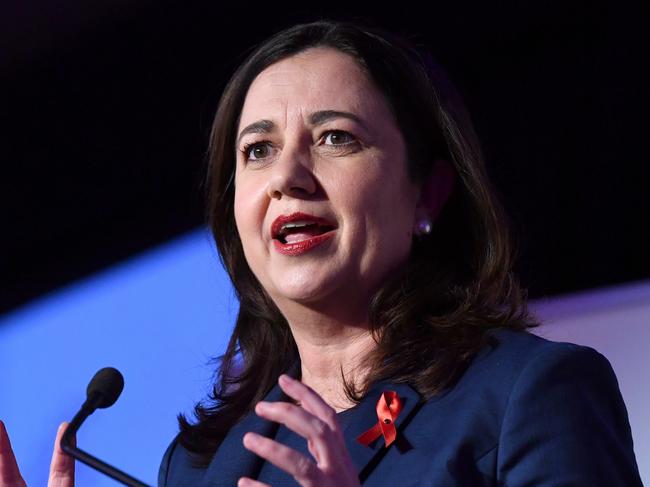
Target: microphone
(102, 392)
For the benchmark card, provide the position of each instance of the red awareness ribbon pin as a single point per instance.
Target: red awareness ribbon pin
(388, 408)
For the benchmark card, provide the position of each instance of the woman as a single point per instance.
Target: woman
(350, 206)
(381, 336)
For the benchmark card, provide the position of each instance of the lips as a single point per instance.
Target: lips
(300, 232)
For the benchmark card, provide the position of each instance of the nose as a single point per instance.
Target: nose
(291, 176)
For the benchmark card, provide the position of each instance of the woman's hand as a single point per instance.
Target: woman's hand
(61, 467)
(316, 422)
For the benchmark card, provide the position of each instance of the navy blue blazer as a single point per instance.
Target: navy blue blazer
(526, 412)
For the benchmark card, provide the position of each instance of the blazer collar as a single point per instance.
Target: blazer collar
(232, 460)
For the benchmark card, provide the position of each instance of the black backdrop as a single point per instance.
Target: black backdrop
(105, 108)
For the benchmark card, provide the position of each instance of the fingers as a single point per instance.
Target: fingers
(295, 464)
(9, 472)
(62, 465)
(312, 403)
(321, 440)
(315, 421)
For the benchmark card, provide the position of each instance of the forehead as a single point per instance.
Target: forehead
(315, 79)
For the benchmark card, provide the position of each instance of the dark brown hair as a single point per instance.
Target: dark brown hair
(428, 321)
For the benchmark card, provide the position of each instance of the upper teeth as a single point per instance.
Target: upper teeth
(297, 224)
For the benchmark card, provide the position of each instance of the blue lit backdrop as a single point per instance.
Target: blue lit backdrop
(158, 318)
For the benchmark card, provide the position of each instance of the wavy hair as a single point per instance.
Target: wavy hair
(428, 321)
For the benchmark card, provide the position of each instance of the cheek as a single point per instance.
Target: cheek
(240, 213)
(247, 209)
(248, 227)
(381, 217)
(388, 201)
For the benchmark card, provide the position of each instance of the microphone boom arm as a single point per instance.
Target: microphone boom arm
(93, 401)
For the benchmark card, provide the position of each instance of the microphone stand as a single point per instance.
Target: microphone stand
(67, 445)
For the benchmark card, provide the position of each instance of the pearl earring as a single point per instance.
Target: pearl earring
(423, 227)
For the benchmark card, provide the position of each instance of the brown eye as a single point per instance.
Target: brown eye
(338, 137)
(258, 150)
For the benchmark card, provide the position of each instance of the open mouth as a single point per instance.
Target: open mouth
(298, 231)
(298, 227)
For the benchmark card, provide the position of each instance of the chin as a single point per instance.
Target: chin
(304, 289)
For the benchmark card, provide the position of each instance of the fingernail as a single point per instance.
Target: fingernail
(262, 405)
(248, 439)
(285, 378)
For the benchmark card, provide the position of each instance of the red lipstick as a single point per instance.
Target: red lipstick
(284, 226)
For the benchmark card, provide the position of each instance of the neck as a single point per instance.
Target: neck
(332, 349)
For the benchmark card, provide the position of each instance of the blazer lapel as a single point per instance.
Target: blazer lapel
(232, 460)
(366, 457)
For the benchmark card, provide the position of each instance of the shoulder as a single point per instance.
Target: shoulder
(517, 366)
(530, 411)
(532, 377)
(562, 416)
(516, 357)
(520, 348)
(540, 372)
(176, 468)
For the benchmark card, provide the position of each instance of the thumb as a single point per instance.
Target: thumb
(62, 465)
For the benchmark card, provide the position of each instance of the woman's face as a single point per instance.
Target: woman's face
(323, 202)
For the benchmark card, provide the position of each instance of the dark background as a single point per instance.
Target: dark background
(105, 109)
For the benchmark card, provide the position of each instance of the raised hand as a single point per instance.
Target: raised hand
(61, 467)
(9, 472)
(316, 422)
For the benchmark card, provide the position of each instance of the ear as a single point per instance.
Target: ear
(435, 190)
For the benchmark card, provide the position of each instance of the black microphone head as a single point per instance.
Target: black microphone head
(107, 385)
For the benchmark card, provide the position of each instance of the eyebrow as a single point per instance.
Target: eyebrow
(315, 119)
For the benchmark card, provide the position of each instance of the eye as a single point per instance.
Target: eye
(339, 137)
(256, 151)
